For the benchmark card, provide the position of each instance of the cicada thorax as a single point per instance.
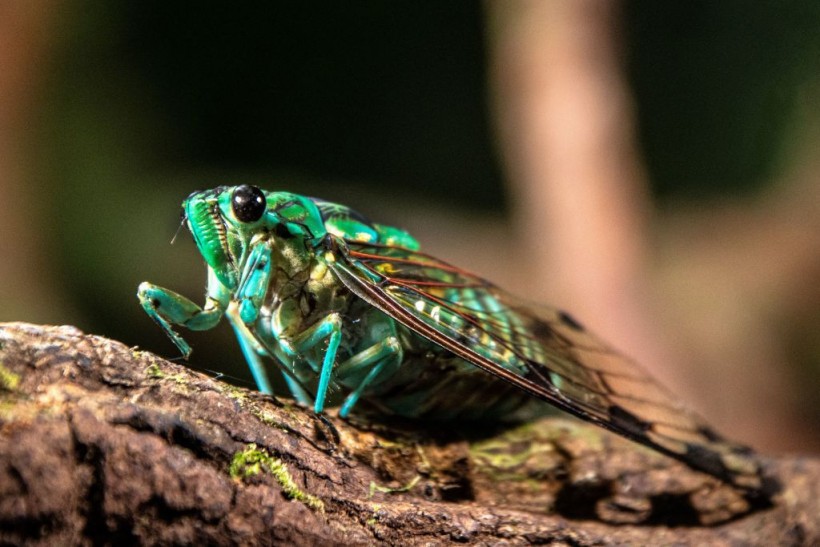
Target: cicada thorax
(302, 292)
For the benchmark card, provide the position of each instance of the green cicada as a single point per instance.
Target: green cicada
(343, 304)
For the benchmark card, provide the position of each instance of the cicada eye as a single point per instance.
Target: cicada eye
(248, 203)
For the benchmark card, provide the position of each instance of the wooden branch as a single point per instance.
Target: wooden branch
(101, 442)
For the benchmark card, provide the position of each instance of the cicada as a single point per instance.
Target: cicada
(347, 306)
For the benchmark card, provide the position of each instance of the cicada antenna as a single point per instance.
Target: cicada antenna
(182, 219)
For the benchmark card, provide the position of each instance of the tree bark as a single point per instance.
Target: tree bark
(101, 443)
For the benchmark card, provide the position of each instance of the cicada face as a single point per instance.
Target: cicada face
(225, 220)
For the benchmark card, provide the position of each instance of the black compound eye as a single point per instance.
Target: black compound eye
(248, 203)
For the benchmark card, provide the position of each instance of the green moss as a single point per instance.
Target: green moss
(7, 408)
(154, 372)
(387, 490)
(240, 396)
(374, 520)
(265, 417)
(519, 453)
(508, 451)
(252, 461)
(233, 392)
(247, 463)
(501, 454)
(8, 379)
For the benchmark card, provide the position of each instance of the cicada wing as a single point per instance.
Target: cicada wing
(541, 350)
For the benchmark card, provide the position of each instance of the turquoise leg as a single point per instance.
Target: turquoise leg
(294, 385)
(254, 282)
(382, 357)
(327, 369)
(296, 389)
(330, 329)
(168, 308)
(251, 350)
(250, 294)
(379, 359)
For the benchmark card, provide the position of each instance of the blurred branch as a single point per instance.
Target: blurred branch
(565, 117)
(702, 314)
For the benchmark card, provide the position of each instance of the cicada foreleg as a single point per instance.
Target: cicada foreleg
(243, 313)
(169, 308)
(251, 349)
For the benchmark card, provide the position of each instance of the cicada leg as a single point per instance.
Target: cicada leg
(330, 329)
(243, 313)
(168, 308)
(251, 349)
(381, 357)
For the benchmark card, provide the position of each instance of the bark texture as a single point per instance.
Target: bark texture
(101, 443)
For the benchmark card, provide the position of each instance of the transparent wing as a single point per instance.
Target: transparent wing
(541, 350)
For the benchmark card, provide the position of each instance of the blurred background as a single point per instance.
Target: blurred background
(650, 166)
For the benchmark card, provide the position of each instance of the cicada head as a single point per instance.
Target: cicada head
(225, 220)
